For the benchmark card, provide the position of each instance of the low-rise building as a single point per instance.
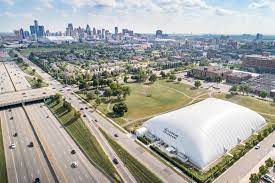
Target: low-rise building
(237, 77)
(210, 72)
(264, 63)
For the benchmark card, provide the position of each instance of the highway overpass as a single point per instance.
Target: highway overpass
(21, 97)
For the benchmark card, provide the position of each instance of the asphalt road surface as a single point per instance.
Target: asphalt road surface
(59, 144)
(24, 163)
(5, 83)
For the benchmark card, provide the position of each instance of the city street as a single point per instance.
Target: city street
(244, 165)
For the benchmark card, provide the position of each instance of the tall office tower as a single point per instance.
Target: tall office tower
(26, 34)
(21, 34)
(124, 31)
(103, 33)
(94, 31)
(116, 30)
(37, 30)
(98, 32)
(88, 30)
(69, 30)
(159, 33)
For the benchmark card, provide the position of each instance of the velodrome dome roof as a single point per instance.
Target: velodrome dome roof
(206, 130)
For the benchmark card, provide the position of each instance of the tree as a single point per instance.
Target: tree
(263, 169)
(108, 92)
(197, 84)
(172, 77)
(254, 178)
(67, 106)
(119, 109)
(233, 89)
(125, 91)
(269, 162)
(153, 78)
(90, 95)
(125, 79)
(33, 71)
(273, 99)
(179, 79)
(162, 73)
(97, 102)
(58, 98)
(77, 115)
(263, 94)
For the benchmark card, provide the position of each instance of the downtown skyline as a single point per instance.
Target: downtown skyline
(172, 16)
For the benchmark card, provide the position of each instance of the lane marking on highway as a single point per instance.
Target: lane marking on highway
(55, 123)
(50, 157)
(16, 176)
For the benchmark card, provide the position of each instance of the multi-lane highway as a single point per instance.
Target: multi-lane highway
(17, 76)
(24, 163)
(5, 83)
(60, 145)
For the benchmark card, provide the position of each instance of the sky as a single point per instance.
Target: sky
(143, 16)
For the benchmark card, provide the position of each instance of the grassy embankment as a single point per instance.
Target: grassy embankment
(3, 170)
(81, 134)
(140, 172)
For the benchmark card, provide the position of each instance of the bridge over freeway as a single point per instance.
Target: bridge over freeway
(21, 97)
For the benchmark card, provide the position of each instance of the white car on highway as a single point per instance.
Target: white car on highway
(12, 146)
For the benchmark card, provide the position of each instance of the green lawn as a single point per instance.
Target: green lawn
(140, 172)
(3, 170)
(83, 137)
(147, 100)
(254, 104)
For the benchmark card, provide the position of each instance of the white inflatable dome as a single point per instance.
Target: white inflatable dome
(206, 130)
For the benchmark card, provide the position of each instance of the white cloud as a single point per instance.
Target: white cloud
(9, 2)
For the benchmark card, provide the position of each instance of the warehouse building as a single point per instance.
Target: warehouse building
(203, 132)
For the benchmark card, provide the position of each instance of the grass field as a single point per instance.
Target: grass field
(147, 100)
(83, 137)
(140, 172)
(260, 106)
(3, 170)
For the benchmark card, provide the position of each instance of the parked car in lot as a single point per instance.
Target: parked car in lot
(257, 146)
(15, 134)
(31, 144)
(273, 145)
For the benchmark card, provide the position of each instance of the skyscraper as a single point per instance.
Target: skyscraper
(103, 33)
(37, 30)
(88, 30)
(159, 33)
(94, 31)
(116, 30)
(69, 30)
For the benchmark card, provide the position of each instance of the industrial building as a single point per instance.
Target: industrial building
(201, 133)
